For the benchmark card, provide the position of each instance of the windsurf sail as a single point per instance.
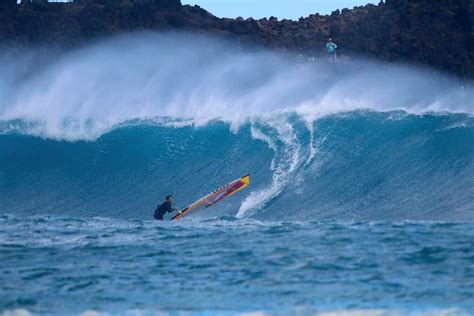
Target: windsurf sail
(216, 196)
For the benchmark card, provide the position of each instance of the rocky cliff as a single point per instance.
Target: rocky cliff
(436, 33)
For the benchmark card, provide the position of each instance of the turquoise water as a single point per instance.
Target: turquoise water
(360, 165)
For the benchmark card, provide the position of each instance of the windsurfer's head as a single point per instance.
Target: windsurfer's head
(169, 199)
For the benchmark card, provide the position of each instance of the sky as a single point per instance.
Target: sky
(288, 9)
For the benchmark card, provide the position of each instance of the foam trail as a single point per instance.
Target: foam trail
(258, 198)
(312, 149)
(288, 157)
(86, 93)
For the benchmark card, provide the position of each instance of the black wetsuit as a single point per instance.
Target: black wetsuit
(162, 209)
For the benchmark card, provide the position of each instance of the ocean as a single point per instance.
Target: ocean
(360, 202)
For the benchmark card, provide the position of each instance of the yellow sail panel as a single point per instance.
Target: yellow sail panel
(216, 196)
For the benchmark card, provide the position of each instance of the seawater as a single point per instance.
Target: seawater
(57, 265)
(361, 198)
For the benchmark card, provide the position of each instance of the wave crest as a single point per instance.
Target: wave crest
(85, 93)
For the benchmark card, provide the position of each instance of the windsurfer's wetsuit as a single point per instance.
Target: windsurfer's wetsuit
(162, 209)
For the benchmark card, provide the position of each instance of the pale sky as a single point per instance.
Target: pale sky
(289, 9)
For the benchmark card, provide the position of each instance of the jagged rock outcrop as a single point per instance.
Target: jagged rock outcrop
(436, 33)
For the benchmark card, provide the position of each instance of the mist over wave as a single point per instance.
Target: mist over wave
(87, 92)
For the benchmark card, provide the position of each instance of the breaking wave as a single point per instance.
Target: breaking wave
(108, 130)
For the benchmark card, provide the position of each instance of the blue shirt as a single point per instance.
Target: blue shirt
(331, 47)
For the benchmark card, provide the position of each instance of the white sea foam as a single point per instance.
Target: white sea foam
(85, 93)
(289, 156)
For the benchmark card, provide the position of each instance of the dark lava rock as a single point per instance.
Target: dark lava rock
(437, 33)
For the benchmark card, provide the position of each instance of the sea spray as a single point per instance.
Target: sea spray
(84, 93)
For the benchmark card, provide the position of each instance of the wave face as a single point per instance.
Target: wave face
(360, 165)
(111, 129)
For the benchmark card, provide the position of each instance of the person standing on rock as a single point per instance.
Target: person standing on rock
(331, 48)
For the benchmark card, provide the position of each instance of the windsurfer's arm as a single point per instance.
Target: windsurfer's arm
(176, 210)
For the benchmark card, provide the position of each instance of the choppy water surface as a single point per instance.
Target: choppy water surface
(60, 265)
